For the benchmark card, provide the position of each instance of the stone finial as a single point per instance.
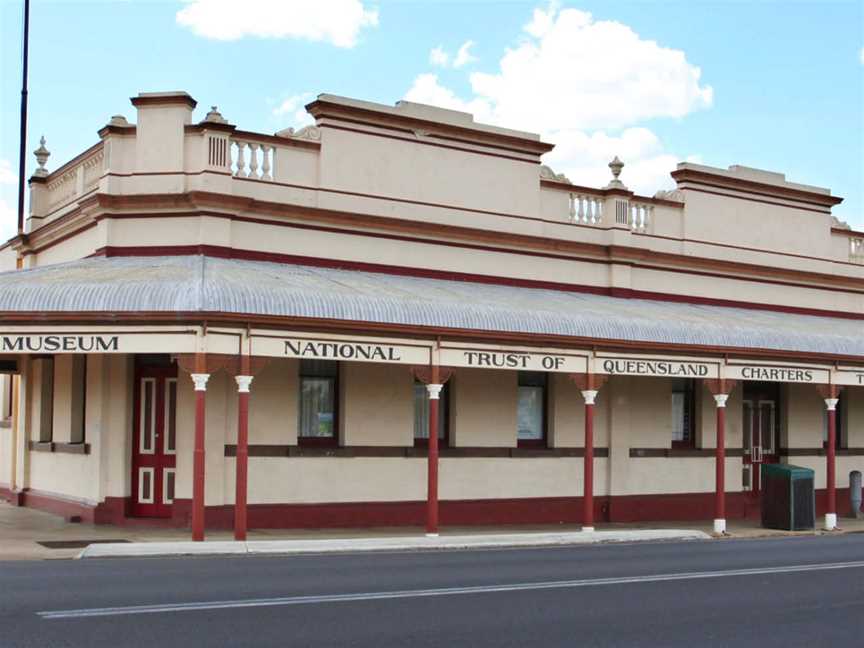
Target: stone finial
(42, 154)
(214, 116)
(118, 120)
(615, 166)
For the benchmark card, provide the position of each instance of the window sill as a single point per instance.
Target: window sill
(819, 452)
(409, 451)
(63, 448)
(681, 453)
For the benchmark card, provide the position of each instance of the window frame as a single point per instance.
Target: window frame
(444, 397)
(543, 441)
(46, 405)
(689, 440)
(82, 422)
(319, 441)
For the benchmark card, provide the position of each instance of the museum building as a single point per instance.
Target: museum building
(399, 316)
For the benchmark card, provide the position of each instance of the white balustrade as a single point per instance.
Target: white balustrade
(641, 217)
(586, 209)
(856, 249)
(73, 182)
(253, 160)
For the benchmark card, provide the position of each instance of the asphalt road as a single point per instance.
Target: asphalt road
(799, 591)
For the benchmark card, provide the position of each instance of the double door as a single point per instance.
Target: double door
(761, 426)
(154, 441)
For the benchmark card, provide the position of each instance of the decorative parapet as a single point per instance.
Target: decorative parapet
(78, 177)
(855, 240)
(612, 206)
(856, 249)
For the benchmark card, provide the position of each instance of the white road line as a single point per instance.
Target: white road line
(444, 591)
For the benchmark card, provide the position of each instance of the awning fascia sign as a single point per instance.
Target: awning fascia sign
(97, 341)
(847, 377)
(656, 366)
(514, 359)
(339, 348)
(777, 372)
(70, 339)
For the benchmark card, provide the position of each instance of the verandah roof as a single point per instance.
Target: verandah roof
(201, 284)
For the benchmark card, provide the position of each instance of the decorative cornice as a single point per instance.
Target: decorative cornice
(166, 99)
(752, 186)
(322, 108)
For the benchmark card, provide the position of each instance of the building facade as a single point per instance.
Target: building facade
(207, 327)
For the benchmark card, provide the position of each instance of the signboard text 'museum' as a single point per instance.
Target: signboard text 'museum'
(59, 343)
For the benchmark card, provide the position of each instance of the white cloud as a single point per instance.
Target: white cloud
(463, 56)
(335, 21)
(585, 85)
(426, 89)
(293, 110)
(7, 175)
(439, 57)
(8, 221)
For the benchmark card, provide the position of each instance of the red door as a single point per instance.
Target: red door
(761, 433)
(154, 441)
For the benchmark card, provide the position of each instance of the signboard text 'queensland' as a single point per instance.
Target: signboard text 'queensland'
(655, 368)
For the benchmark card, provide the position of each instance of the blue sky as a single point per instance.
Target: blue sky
(772, 85)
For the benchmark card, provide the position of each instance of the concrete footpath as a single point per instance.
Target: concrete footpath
(28, 534)
(397, 543)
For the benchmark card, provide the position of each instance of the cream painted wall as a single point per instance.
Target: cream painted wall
(369, 479)
(854, 398)
(725, 220)
(273, 404)
(483, 408)
(378, 404)
(803, 420)
(567, 415)
(116, 431)
(378, 410)
(388, 167)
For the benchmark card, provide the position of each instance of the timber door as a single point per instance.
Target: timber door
(154, 441)
(761, 425)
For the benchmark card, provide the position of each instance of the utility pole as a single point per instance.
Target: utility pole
(23, 137)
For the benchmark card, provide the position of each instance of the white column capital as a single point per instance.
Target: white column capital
(243, 383)
(720, 399)
(200, 381)
(590, 395)
(434, 390)
(831, 404)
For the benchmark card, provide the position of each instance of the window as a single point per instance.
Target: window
(683, 420)
(531, 412)
(318, 402)
(6, 397)
(79, 398)
(45, 376)
(421, 414)
(839, 436)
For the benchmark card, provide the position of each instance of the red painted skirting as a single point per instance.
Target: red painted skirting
(535, 510)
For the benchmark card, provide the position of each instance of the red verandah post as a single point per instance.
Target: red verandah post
(830, 453)
(720, 466)
(434, 389)
(200, 378)
(590, 395)
(244, 381)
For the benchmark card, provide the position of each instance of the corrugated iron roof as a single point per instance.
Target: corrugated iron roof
(196, 283)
